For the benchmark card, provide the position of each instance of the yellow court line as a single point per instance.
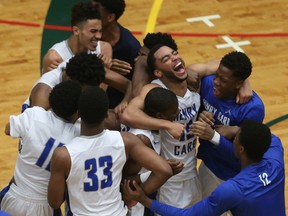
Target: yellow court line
(153, 16)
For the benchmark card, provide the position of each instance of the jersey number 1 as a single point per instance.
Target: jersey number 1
(45, 153)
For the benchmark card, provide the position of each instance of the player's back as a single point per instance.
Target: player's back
(41, 132)
(95, 174)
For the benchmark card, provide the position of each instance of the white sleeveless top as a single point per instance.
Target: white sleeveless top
(95, 175)
(185, 148)
(41, 132)
(65, 52)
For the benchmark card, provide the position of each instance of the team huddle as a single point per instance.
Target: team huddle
(115, 128)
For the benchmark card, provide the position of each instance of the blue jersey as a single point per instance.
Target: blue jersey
(126, 49)
(257, 190)
(225, 112)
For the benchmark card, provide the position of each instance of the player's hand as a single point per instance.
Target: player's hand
(120, 66)
(130, 194)
(177, 166)
(53, 65)
(245, 93)
(120, 108)
(106, 60)
(229, 132)
(176, 130)
(202, 130)
(206, 117)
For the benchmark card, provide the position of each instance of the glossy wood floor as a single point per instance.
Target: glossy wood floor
(261, 22)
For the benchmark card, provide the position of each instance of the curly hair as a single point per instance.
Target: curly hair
(152, 39)
(86, 69)
(63, 98)
(82, 12)
(93, 105)
(238, 63)
(151, 58)
(113, 6)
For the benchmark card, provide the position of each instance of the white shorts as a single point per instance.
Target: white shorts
(209, 182)
(137, 210)
(182, 194)
(15, 202)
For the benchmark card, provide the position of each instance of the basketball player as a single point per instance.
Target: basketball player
(163, 104)
(90, 166)
(86, 37)
(218, 94)
(41, 132)
(257, 190)
(125, 46)
(87, 69)
(168, 66)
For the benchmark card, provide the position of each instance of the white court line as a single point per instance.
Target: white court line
(235, 45)
(205, 19)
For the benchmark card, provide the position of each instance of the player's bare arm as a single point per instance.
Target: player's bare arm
(59, 167)
(39, 96)
(106, 53)
(135, 117)
(149, 159)
(51, 60)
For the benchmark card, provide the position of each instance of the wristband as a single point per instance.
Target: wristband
(216, 138)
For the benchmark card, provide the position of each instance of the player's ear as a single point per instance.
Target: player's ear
(239, 84)
(111, 17)
(158, 73)
(75, 30)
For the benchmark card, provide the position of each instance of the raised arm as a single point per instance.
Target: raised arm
(51, 60)
(135, 117)
(106, 53)
(141, 75)
(39, 96)
(148, 158)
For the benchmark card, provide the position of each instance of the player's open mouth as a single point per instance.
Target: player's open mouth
(179, 68)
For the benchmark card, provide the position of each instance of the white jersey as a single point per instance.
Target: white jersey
(54, 76)
(41, 132)
(151, 135)
(95, 174)
(65, 52)
(184, 149)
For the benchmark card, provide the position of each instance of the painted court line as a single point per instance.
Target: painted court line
(176, 34)
(153, 16)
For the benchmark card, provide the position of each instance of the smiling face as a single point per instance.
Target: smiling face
(226, 86)
(89, 33)
(169, 64)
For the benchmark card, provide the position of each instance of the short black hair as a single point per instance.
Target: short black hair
(151, 58)
(83, 11)
(152, 39)
(86, 69)
(63, 98)
(159, 100)
(113, 6)
(238, 63)
(93, 105)
(255, 137)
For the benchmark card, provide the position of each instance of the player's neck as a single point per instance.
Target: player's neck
(179, 88)
(74, 46)
(91, 130)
